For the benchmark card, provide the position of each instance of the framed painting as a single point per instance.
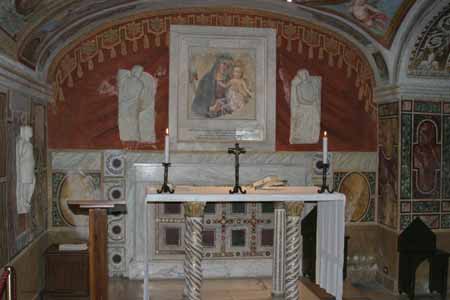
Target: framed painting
(222, 88)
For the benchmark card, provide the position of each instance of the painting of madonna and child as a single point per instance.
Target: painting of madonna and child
(222, 84)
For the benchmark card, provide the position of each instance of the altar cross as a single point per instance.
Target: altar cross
(236, 151)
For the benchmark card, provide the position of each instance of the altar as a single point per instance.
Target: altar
(289, 203)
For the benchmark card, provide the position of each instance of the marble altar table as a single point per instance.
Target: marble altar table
(289, 203)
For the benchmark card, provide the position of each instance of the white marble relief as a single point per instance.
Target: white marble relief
(136, 98)
(26, 179)
(305, 108)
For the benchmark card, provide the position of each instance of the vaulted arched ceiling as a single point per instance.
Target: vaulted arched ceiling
(32, 29)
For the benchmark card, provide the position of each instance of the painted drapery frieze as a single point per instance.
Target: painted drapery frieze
(86, 83)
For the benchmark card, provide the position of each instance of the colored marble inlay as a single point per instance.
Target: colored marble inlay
(238, 208)
(209, 238)
(405, 207)
(446, 108)
(446, 158)
(267, 237)
(426, 206)
(172, 208)
(173, 237)
(427, 107)
(445, 221)
(389, 109)
(405, 178)
(210, 208)
(446, 206)
(407, 105)
(426, 157)
(238, 238)
(405, 220)
(267, 207)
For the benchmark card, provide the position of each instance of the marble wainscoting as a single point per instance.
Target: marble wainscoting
(208, 168)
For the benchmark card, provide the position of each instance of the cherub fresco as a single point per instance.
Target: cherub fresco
(369, 15)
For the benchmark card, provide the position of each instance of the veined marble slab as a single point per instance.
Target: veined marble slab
(82, 160)
(211, 269)
(221, 194)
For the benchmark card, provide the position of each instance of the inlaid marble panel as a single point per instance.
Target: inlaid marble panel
(425, 161)
(388, 161)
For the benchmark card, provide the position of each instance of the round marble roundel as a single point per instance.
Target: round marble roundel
(357, 191)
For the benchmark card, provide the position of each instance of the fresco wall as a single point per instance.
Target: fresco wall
(85, 113)
(89, 161)
(430, 56)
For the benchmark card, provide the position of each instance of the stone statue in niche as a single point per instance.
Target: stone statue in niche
(26, 179)
(305, 108)
(136, 117)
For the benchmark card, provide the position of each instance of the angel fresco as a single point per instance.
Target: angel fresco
(136, 116)
(368, 14)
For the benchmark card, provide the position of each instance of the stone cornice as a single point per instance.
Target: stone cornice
(15, 76)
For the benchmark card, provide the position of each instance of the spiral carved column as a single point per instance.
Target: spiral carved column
(193, 250)
(294, 211)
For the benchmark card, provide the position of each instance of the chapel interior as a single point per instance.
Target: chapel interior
(89, 87)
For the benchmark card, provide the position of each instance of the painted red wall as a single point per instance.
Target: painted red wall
(84, 118)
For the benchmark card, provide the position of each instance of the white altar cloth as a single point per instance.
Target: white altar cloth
(330, 223)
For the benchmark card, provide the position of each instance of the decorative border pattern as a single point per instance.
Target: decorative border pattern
(432, 209)
(369, 215)
(222, 220)
(151, 30)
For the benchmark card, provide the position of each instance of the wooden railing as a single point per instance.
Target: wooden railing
(8, 284)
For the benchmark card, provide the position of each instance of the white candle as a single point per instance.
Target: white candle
(166, 147)
(325, 148)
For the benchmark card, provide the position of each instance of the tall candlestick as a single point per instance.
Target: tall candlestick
(325, 148)
(166, 146)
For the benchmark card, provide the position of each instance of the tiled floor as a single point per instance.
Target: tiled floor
(235, 289)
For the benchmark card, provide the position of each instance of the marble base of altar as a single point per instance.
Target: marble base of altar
(330, 235)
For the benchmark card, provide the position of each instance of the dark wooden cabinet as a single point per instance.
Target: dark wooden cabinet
(66, 274)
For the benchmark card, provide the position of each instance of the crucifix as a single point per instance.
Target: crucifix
(236, 151)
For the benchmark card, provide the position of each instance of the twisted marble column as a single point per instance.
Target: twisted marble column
(193, 245)
(292, 272)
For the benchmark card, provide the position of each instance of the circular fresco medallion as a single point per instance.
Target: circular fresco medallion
(357, 191)
(75, 187)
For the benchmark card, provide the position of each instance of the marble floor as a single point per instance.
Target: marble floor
(236, 289)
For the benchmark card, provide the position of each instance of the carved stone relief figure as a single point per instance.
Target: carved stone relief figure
(136, 118)
(305, 108)
(25, 163)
